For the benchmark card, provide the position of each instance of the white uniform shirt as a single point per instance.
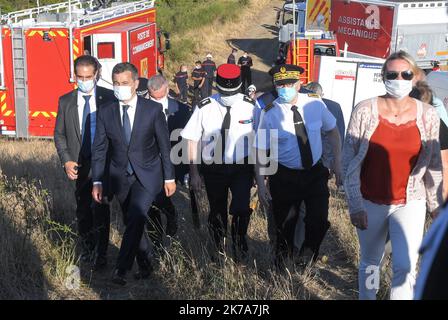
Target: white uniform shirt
(206, 122)
(81, 104)
(316, 117)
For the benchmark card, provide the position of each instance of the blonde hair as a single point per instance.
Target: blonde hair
(400, 55)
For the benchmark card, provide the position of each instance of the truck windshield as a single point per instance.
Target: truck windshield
(288, 17)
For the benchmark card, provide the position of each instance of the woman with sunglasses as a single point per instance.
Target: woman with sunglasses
(392, 177)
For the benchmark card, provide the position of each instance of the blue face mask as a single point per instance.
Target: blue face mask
(286, 95)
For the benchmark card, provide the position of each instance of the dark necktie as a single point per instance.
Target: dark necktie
(225, 131)
(86, 134)
(302, 139)
(127, 134)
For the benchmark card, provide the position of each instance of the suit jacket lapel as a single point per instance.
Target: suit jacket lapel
(137, 119)
(74, 113)
(173, 107)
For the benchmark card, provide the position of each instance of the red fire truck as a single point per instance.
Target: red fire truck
(38, 47)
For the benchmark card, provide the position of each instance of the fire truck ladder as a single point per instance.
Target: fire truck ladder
(16, 16)
(304, 59)
(20, 83)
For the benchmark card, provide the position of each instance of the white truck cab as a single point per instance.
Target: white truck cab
(438, 81)
(285, 20)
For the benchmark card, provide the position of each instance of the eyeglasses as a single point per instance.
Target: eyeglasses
(392, 75)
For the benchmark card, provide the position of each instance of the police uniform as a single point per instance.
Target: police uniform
(226, 119)
(246, 73)
(181, 79)
(209, 67)
(197, 73)
(301, 175)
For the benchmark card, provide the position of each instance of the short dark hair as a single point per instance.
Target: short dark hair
(198, 62)
(123, 67)
(86, 60)
(234, 50)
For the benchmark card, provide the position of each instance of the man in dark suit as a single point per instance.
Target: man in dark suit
(177, 115)
(135, 132)
(73, 136)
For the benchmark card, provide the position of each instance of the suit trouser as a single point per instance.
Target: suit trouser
(246, 79)
(290, 187)
(135, 244)
(219, 179)
(93, 219)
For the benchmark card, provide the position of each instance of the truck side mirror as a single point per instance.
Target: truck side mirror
(277, 20)
(167, 40)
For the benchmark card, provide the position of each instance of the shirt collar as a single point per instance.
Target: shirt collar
(132, 104)
(82, 94)
(163, 102)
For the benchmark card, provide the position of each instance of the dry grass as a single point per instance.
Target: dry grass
(38, 222)
(39, 243)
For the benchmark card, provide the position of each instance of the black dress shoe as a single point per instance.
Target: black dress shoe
(144, 273)
(100, 263)
(119, 278)
(86, 256)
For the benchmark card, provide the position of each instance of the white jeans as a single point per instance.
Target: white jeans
(405, 226)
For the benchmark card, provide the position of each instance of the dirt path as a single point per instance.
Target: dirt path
(260, 40)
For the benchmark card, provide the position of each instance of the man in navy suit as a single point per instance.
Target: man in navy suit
(135, 132)
(177, 115)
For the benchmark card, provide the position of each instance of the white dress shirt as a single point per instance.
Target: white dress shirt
(82, 102)
(131, 114)
(164, 103)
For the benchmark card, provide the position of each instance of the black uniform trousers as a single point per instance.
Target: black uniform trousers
(208, 86)
(93, 218)
(290, 187)
(197, 95)
(246, 78)
(135, 202)
(183, 93)
(219, 179)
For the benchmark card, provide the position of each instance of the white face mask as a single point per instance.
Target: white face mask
(398, 88)
(163, 101)
(229, 100)
(85, 86)
(123, 93)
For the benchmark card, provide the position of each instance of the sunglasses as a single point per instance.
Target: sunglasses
(392, 75)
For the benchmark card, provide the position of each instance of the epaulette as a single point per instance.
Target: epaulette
(249, 99)
(313, 95)
(268, 107)
(204, 102)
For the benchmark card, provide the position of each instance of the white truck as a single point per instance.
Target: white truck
(438, 81)
(285, 20)
(377, 28)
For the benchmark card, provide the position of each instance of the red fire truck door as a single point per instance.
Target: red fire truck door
(107, 47)
(143, 49)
